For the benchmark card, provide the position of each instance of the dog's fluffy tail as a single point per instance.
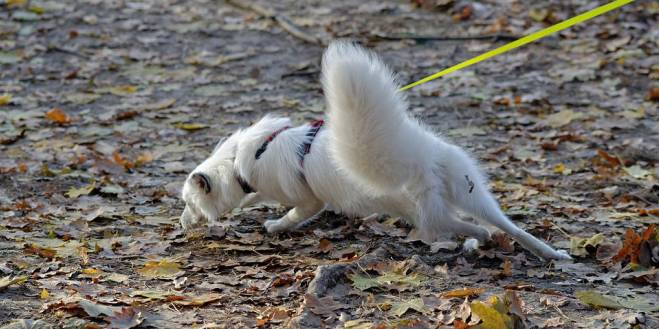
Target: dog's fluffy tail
(372, 138)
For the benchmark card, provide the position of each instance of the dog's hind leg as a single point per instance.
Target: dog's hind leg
(294, 217)
(439, 219)
(469, 192)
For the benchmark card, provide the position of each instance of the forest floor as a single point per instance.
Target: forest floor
(105, 106)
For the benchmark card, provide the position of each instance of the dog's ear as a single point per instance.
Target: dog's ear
(203, 181)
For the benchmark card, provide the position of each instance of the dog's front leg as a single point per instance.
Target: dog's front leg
(294, 217)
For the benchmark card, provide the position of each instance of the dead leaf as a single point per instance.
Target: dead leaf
(5, 99)
(58, 115)
(163, 269)
(493, 316)
(75, 192)
(636, 171)
(36, 250)
(562, 118)
(125, 318)
(325, 245)
(400, 308)
(8, 281)
(200, 300)
(584, 246)
(191, 126)
(464, 292)
(597, 300)
(322, 306)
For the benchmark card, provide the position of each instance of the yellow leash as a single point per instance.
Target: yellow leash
(524, 40)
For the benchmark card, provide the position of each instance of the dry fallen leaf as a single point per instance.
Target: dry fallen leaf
(562, 118)
(5, 99)
(75, 192)
(163, 269)
(8, 281)
(58, 115)
(493, 316)
(464, 292)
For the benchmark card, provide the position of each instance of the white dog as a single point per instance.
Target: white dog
(371, 157)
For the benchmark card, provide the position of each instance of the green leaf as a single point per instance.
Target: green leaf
(85, 190)
(598, 300)
(636, 171)
(400, 308)
(363, 282)
(388, 280)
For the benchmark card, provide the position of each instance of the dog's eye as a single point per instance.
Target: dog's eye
(203, 181)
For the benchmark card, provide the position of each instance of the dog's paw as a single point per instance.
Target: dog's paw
(275, 226)
(470, 245)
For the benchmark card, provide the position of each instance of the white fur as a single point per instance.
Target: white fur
(371, 157)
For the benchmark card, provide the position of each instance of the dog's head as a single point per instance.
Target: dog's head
(212, 189)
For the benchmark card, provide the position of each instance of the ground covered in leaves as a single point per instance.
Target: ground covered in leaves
(106, 105)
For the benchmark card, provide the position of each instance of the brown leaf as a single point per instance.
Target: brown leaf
(631, 245)
(503, 242)
(283, 279)
(322, 306)
(58, 115)
(125, 318)
(464, 13)
(507, 268)
(36, 250)
(325, 245)
(653, 94)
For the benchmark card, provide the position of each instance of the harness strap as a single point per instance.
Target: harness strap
(264, 146)
(244, 184)
(305, 148)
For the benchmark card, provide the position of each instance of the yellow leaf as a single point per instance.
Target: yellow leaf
(15, 3)
(91, 273)
(465, 292)
(163, 269)
(123, 90)
(85, 190)
(37, 10)
(191, 126)
(561, 169)
(5, 99)
(44, 294)
(578, 246)
(492, 317)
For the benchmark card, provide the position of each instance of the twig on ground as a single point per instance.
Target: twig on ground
(283, 21)
(493, 37)
(66, 51)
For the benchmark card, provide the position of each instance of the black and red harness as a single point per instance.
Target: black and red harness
(304, 149)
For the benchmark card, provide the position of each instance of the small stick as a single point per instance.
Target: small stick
(284, 22)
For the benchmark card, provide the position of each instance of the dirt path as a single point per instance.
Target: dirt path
(106, 105)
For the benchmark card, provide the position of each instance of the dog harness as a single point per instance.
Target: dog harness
(304, 149)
